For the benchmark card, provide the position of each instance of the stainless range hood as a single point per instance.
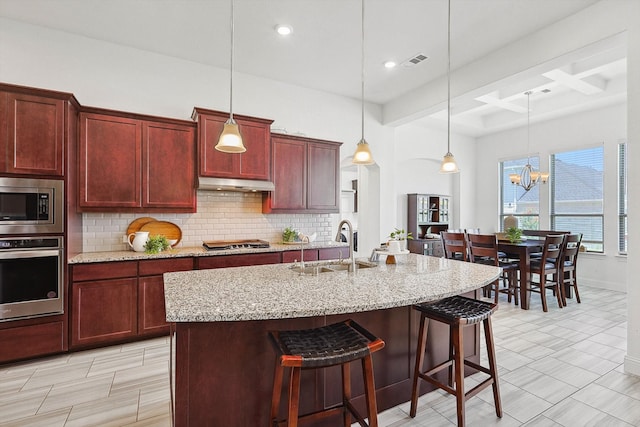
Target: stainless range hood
(228, 184)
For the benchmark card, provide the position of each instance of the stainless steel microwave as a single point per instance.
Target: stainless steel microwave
(31, 206)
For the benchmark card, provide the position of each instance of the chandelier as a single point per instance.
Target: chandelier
(528, 177)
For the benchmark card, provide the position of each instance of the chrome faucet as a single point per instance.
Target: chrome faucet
(352, 267)
(302, 251)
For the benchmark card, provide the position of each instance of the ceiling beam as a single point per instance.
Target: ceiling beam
(501, 103)
(573, 82)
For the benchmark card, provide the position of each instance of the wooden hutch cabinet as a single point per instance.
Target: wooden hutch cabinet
(428, 215)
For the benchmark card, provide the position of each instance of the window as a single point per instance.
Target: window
(524, 205)
(622, 198)
(577, 196)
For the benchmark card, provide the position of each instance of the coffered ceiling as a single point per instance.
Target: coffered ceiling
(323, 51)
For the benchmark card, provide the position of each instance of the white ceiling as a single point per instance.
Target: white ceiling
(323, 52)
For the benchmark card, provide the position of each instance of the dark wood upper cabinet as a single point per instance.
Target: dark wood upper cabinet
(130, 163)
(110, 161)
(323, 177)
(289, 175)
(252, 164)
(306, 174)
(32, 134)
(169, 157)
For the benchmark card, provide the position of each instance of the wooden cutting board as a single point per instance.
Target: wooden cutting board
(136, 224)
(163, 228)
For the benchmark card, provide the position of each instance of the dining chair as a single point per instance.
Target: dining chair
(540, 234)
(455, 246)
(549, 264)
(570, 253)
(483, 249)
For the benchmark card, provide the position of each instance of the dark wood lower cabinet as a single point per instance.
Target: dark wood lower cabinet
(104, 311)
(113, 302)
(333, 253)
(224, 370)
(33, 339)
(151, 310)
(245, 260)
(296, 256)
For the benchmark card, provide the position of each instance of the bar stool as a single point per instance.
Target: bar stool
(336, 344)
(457, 312)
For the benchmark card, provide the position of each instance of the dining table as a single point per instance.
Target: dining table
(522, 251)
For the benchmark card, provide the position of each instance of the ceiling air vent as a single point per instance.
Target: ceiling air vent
(415, 60)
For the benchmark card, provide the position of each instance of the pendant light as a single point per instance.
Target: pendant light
(362, 156)
(448, 164)
(230, 139)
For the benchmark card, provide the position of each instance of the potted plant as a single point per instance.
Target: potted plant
(514, 234)
(289, 235)
(402, 236)
(156, 244)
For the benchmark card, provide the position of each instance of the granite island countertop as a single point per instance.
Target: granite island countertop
(193, 251)
(277, 292)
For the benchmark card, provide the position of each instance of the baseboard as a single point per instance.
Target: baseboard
(632, 365)
(611, 286)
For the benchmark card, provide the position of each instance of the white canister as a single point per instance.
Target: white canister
(139, 240)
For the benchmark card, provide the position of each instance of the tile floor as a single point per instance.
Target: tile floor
(561, 368)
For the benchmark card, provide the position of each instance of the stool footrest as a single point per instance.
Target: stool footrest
(478, 388)
(437, 383)
(438, 368)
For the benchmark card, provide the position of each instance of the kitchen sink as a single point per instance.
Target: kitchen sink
(317, 268)
(311, 269)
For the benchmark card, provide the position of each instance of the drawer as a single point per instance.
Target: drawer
(160, 266)
(104, 270)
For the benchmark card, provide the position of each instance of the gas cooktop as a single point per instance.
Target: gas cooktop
(221, 245)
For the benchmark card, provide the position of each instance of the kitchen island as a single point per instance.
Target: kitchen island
(223, 359)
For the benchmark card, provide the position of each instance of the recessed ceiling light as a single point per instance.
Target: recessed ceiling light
(284, 30)
(390, 64)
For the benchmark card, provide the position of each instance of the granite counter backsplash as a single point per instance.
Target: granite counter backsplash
(195, 251)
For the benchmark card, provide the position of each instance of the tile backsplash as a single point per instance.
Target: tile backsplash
(220, 216)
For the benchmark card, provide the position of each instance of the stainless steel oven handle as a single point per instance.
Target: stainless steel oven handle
(35, 253)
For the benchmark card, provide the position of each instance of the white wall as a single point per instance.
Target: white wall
(632, 359)
(418, 154)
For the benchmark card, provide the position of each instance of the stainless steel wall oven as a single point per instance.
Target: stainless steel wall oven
(31, 277)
